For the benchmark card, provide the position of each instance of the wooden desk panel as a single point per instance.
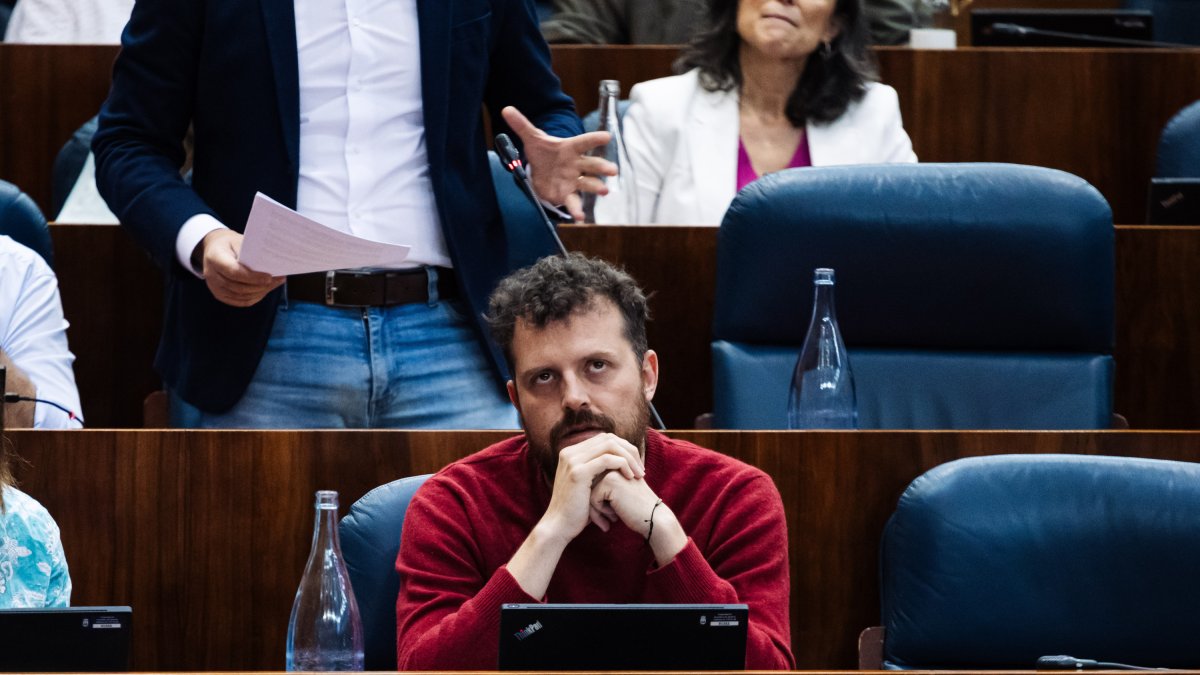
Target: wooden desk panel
(112, 296)
(113, 299)
(205, 534)
(46, 93)
(1095, 113)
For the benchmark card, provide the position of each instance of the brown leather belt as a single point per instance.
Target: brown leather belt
(370, 289)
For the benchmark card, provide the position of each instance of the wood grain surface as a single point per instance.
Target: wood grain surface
(46, 93)
(1096, 113)
(112, 296)
(205, 534)
(1093, 112)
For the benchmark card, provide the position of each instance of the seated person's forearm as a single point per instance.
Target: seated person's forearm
(17, 415)
(534, 562)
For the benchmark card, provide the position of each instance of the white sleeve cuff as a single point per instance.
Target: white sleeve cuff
(190, 236)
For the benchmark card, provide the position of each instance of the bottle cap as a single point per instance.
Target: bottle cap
(327, 499)
(823, 276)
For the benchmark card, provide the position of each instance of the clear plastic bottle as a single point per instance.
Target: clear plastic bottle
(619, 206)
(822, 394)
(325, 631)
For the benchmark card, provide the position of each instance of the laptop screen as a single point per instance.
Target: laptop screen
(1174, 201)
(65, 639)
(623, 637)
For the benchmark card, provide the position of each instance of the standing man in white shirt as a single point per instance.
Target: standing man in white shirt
(364, 115)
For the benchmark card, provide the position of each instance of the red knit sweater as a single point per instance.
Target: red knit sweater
(467, 521)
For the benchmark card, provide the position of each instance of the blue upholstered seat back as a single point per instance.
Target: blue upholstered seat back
(526, 235)
(922, 389)
(1179, 145)
(21, 219)
(370, 538)
(992, 562)
(963, 289)
(1175, 21)
(68, 164)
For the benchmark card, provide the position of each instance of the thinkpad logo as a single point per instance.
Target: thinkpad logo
(528, 630)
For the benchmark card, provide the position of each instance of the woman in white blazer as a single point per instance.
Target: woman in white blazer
(772, 84)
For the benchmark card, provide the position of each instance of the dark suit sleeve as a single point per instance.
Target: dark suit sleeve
(521, 75)
(139, 143)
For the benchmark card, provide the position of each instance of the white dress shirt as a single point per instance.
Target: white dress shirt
(68, 21)
(33, 333)
(363, 164)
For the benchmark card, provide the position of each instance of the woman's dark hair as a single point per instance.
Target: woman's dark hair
(830, 82)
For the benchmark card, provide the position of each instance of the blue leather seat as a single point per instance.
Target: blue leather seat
(370, 538)
(69, 163)
(527, 237)
(1179, 145)
(993, 562)
(5, 13)
(21, 219)
(1174, 20)
(969, 295)
(591, 121)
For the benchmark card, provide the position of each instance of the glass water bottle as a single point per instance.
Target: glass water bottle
(822, 394)
(619, 206)
(325, 631)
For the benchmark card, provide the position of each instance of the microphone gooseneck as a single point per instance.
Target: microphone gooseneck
(1064, 662)
(1016, 29)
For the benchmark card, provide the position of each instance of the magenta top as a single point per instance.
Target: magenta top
(745, 171)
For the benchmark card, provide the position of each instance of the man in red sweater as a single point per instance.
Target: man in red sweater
(588, 505)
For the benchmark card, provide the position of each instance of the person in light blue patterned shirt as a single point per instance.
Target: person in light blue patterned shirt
(33, 569)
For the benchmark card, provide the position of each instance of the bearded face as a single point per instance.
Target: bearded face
(580, 377)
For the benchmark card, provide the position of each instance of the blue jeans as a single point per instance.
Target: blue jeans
(408, 366)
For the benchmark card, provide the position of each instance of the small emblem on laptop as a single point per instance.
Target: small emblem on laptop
(703, 619)
(723, 620)
(85, 622)
(528, 630)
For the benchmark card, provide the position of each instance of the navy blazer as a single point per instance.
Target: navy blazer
(229, 68)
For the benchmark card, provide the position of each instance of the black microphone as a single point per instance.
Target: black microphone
(1018, 30)
(511, 158)
(512, 161)
(1063, 662)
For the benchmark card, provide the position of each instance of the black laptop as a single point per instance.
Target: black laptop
(1174, 201)
(623, 637)
(65, 639)
(1063, 27)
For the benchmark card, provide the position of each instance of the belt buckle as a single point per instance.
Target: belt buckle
(330, 288)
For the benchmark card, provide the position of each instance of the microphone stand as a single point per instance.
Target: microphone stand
(511, 159)
(1024, 31)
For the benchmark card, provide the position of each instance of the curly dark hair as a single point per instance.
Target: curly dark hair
(830, 82)
(555, 287)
